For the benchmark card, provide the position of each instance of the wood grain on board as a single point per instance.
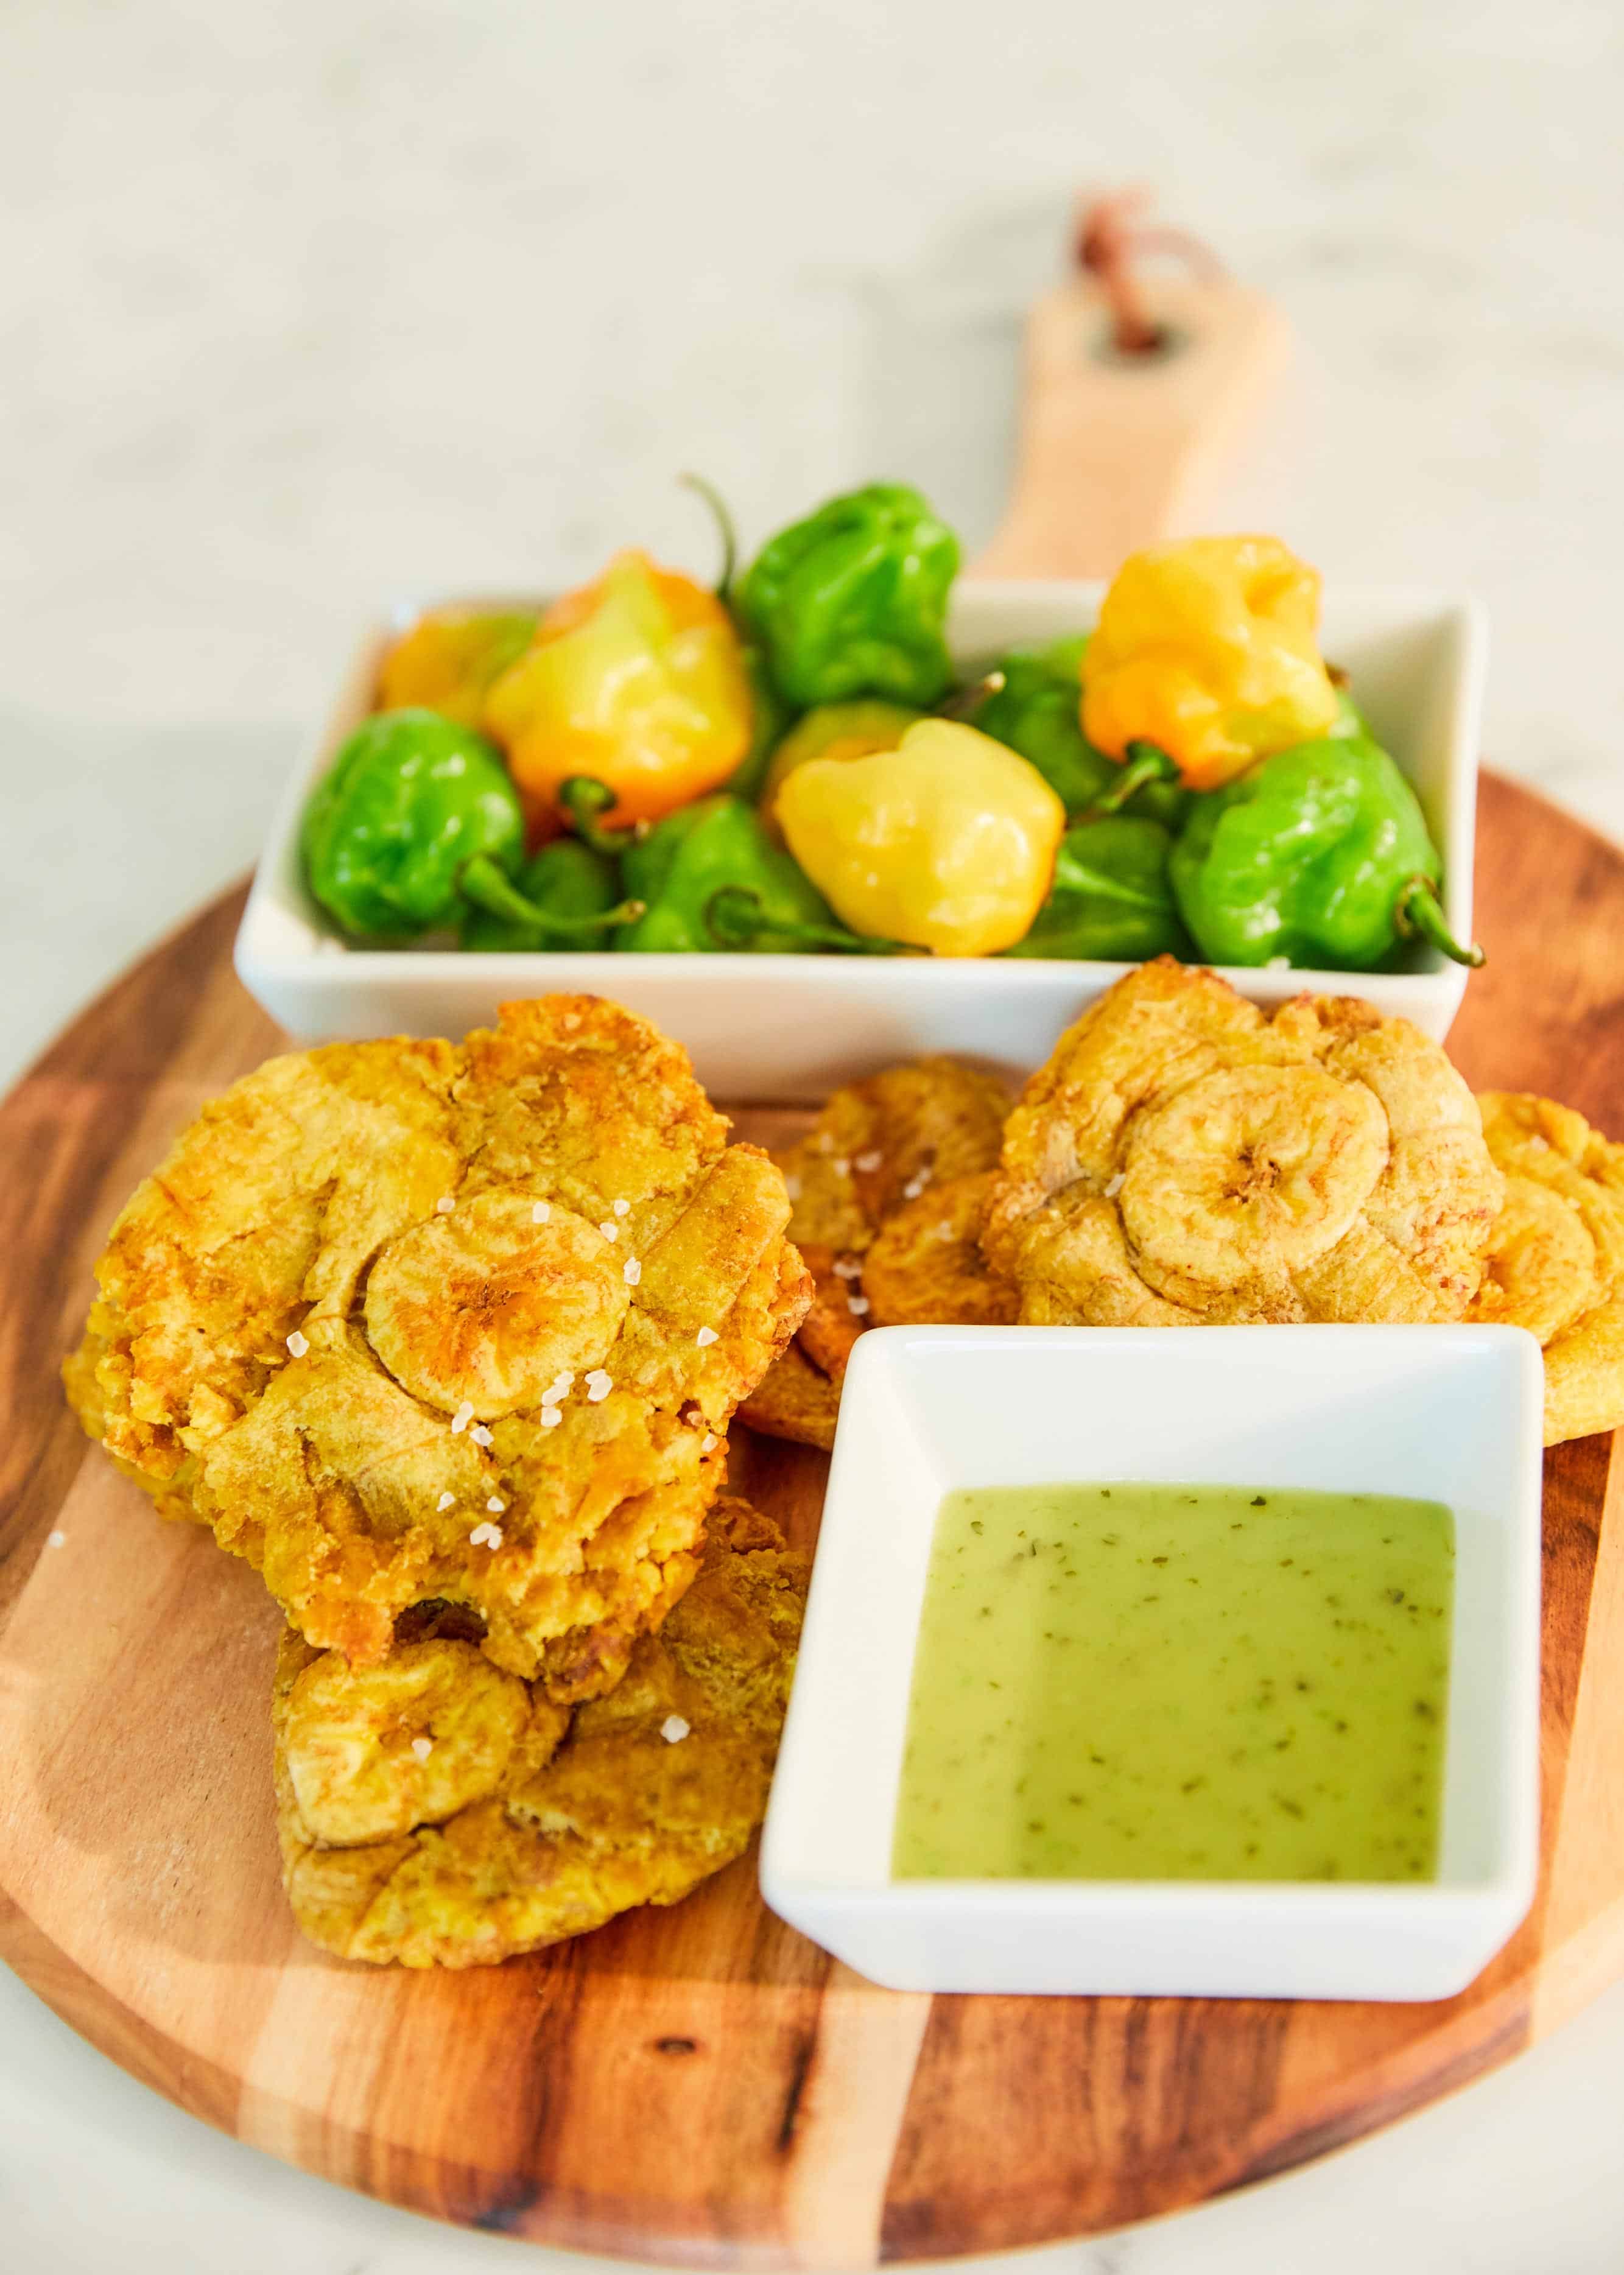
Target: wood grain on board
(700, 2084)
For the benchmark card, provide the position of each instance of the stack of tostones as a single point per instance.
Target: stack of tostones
(887, 1187)
(1556, 1260)
(1183, 1159)
(415, 1324)
(437, 1811)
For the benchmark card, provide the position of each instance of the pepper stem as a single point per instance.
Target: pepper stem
(1142, 763)
(728, 534)
(488, 888)
(1418, 914)
(584, 800)
(735, 917)
(963, 700)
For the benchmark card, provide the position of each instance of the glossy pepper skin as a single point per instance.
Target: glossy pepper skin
(416, 819)
(1038, 712)
(568, 881)
(449, 659)
(835, 730)
(1112, 898)
(1208, 649)
(852, 601)
(689, 857)
(636, 680)
(947, 843)
(1320, 855)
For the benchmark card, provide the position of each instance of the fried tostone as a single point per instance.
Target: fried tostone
(876, 1149)
(794, 1399)
(437, 1812)
(1181, 1159)
(1556, 1258)
(878, 1143)
(926, 1269)
(409, 1320)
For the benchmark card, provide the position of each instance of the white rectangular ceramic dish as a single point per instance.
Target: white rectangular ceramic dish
(790, 1027)
(1451, 1414)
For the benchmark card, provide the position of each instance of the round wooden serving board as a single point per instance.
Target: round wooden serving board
(699, 2084)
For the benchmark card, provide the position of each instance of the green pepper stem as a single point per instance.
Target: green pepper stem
(963, 700)
(1418, 914)
(582, 800)
(481, 881)
(735, 917)
(728, 534)
(1142, 763)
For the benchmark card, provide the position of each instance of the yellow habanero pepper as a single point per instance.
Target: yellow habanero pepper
(449, 659)
(636, 679)
(947, 842)
(1207, 648)
(833, 730)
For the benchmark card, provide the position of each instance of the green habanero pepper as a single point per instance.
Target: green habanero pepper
(1349, 724)
(718, 845)
(852, 601)
(416, 819)
(574, 885)
(1037, 711)
(1318, 856)
(1112, 900)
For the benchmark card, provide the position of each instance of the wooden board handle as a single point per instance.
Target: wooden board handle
(1115, 452)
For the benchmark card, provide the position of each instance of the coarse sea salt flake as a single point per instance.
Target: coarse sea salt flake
(445, 1502)
(56, 1539)
(422, 1748)
(496, 1505)
(707, 1441)
(609, 1229)
(915, 1186)
(540, 1212)
(857, 1305)
(869, 1160)
(444, 1205)
(632, 1273)
(550, 1418)
(622, 1208)
(462, 1417)
(297, 1344)
(848, 1267)
(1115, 1186)
(598, 1386)
(840, 1166)
(480, 1435)
(674, 1729)
(706, 1336)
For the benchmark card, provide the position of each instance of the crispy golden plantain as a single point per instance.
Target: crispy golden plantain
(877, 1147)
(795, 1400)
(1183, 1159)
(1556, 1258)
(880, 1142)
(926, 1267)
(437, 1812)
(405, 1320)
(838, 1312)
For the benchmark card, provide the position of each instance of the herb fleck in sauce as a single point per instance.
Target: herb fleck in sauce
(1155, 1682)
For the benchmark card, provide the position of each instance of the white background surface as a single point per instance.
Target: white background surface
(306, 305)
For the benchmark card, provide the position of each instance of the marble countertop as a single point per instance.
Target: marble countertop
(311, 307)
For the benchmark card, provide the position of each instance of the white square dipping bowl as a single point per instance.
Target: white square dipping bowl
(1450, 1414)
(790, 1027)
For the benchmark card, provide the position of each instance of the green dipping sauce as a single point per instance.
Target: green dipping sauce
(1180, 1682)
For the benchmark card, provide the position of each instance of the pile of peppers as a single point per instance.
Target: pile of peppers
(783, 762)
